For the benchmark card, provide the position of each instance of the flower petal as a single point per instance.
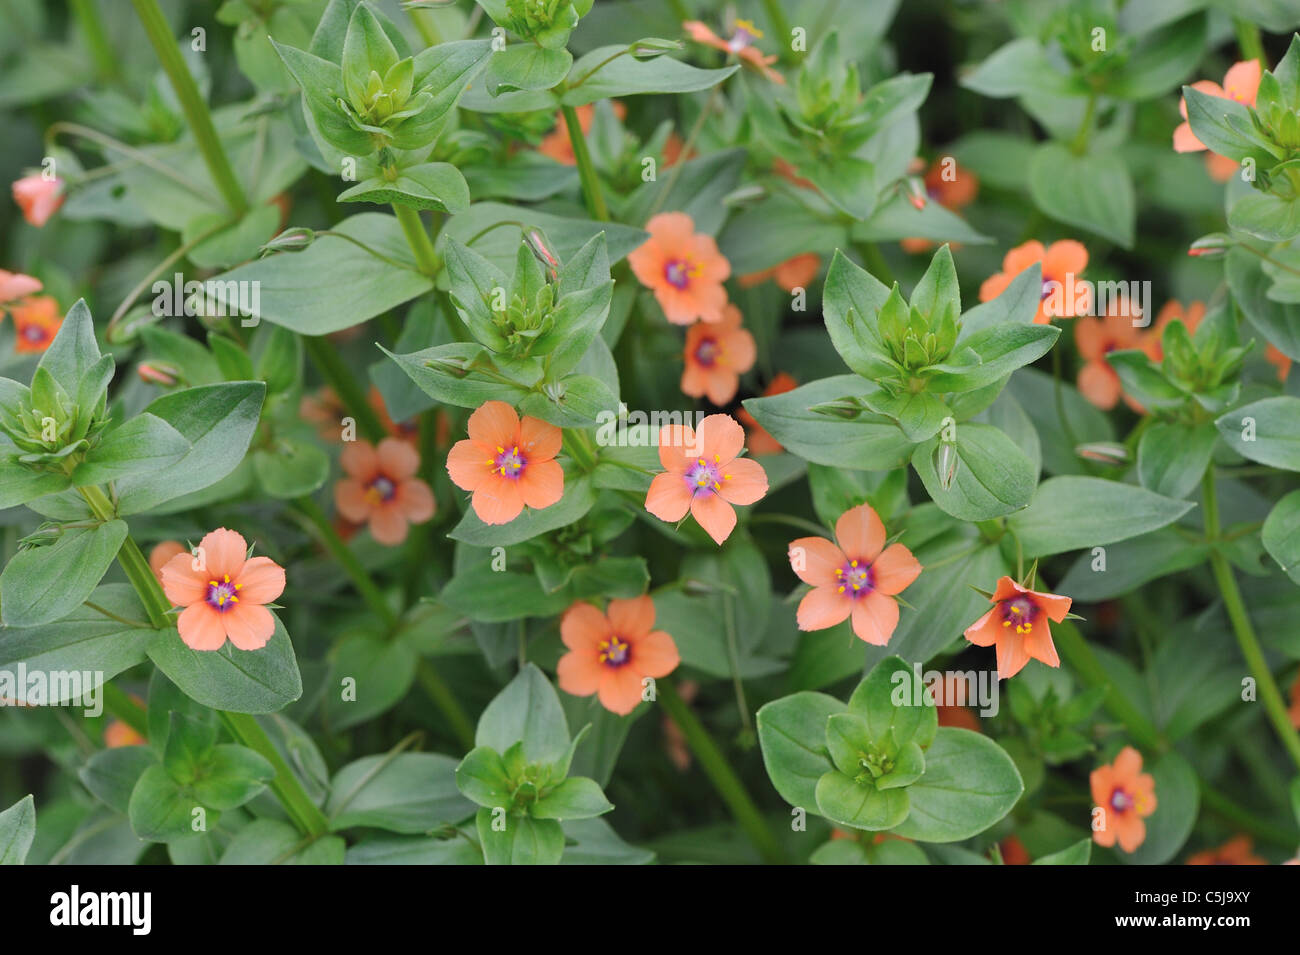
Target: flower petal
(722, 436)
(822, 608)
(260, 581)
(182, 583)
(350, 500)
(744, 482)
(542, 483)
(715, 515)
(668, 498)
(359, 460)
(201, 628)
(583, 626)
(397, 459)
(223, 552)
(631, 618)
(249, 626)
(579, 673)
(860, 533)
(875, 617)
(494, 424)
(815, 560)
(539, 440)
(497, 500)
(895, 569)
(468, 464)
(656, 654)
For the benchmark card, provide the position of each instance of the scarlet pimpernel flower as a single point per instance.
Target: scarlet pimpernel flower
(716, 356)
(507, 463)
(381, 489)
(1063, 264)
(683, 268)
(612, 653)
(1018, 625)
(1124, 797)
(38, 198)
(1241, 84)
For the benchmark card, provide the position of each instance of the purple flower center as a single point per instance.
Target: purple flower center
(707, 351)
(510, 463)
(705, 478)
(382, 488)
(1120, 801)
(1019, 612)
(678, 273)
(1049, 286)
(615, 652)
(856, 579)
(222, 594)
(35, 333)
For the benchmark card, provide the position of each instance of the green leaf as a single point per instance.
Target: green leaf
(521, 840)
(492, 230)
(1178, 797)
(408, 792)
(146, 443)
(1281, 534)
(74, 351)
(366, 48)
(1266, 216)
(1078, 854)
(1093, 192)
(1162, 59)
(291, 467)
(1277, 322)
(575, 798)
(527, 710)
(994, 476)
(428, 369)
(241, 681)
(629, 76)
(895, 705)
(111, 774)
(1172, 457)
(851, 303)
(990, 355)
(599, 844)
(1225, 127)
(577, 401)
(937, 292)
(525, 66)
(273, 842)
(868, 442)
(483, 778)
(231, 776)
(322, 84)
(476, 593)
(1130, 564)
(218, 421)
(17, 830)
(161, 809)
(860, 805)
(43, 584)
(1267, 431)
(969, 784)
(190, 740)
(919, 415)
(433, 185)
(792, 735)
(1020, 67)
(578, 499)
(1069, 513)
(383, 671)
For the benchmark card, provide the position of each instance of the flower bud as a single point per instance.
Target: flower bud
(158, 373)
(1210, 246)
(294, 239)
(1106, 452)
(946, 461)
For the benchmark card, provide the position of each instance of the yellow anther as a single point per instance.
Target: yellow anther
(500, 450)
(853, 563)
(226, 578)
(717, 459)
(701, 462)
(239, 586)
(717, 486)
(841, 590)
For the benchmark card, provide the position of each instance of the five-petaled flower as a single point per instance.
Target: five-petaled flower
(36, 321)
(1018, 626)
(612, 653)
(507, 463)
(1098, 337)
(858, 579)
(716, 356)
(704, 475)
(1124, 796)
(795, 272)
(381, 489)
(1241, 83)
(224, 592)
(38, 198)
(1063, 295)
(683, 269)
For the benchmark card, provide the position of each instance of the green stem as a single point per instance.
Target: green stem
(305, 813)
(133, 562)
(418, 239)
(1249, 41)
(445, 700)
(591, 193)
(425, 25)
(192, 104)
(336, 374)
(1079, 144)
(1269, 693)
(120, 704)
(101, 50)
(1247, 821)
(875, 263)
(340, 551)
(780, 26)
(1077, 653)
(679, 11)
(720, 773)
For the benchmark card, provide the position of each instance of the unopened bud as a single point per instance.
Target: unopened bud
(839, 408)
(541, 248)
(946, 461)
(294, 239)
(158, 373)
(128, 327)
(450, 366)
(914, 189)
(1106, 452)
(1210, 246)
(653, 46)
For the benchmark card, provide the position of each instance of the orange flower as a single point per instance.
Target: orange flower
(793, 273)
(556, 143)
(740, 44)
(1125, 796)
(684, 270)
(118, 734)
(1236, 851)
(225, 595)
(704, 475)
(1281, 361)
(38, 197)
(716, 356)
(1018, 625)
(1062, 262)
(163, 552)
(611, 653)
(15, 285)
(1241, 83)
(1013, 851)
(36, 321)
(507, 463)
(859, 578)
(949, 184)
(1098, 337)
(759, 440)
(961, 717)
(381, 489)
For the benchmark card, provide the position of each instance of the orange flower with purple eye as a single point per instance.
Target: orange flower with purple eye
(381, 489)
(1098, 337)
(740, 44)
(1062, 295)
(224, 593)
(1239, 850)
(683, 269)
(859, 578)
(507, 463)
(716, 356)
(36, 321)
(704, 476)
(38, 198)
(611, 653)
(1125, 796)
(1018, 625)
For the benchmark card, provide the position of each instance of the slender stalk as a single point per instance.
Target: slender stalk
(425, 25)
(418, 239)
(1249, 41)
(305, 814)
(445, 700)
(1269, 693)
(720, 773)
(780, 26)
(336, 374)
(591, 193)
(133, 562)
(120, 704)
(1079, 144)
(875, 263)
(101, 50)
(192, 104)
(1077, 653)
(679, 11)
(340, 551)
